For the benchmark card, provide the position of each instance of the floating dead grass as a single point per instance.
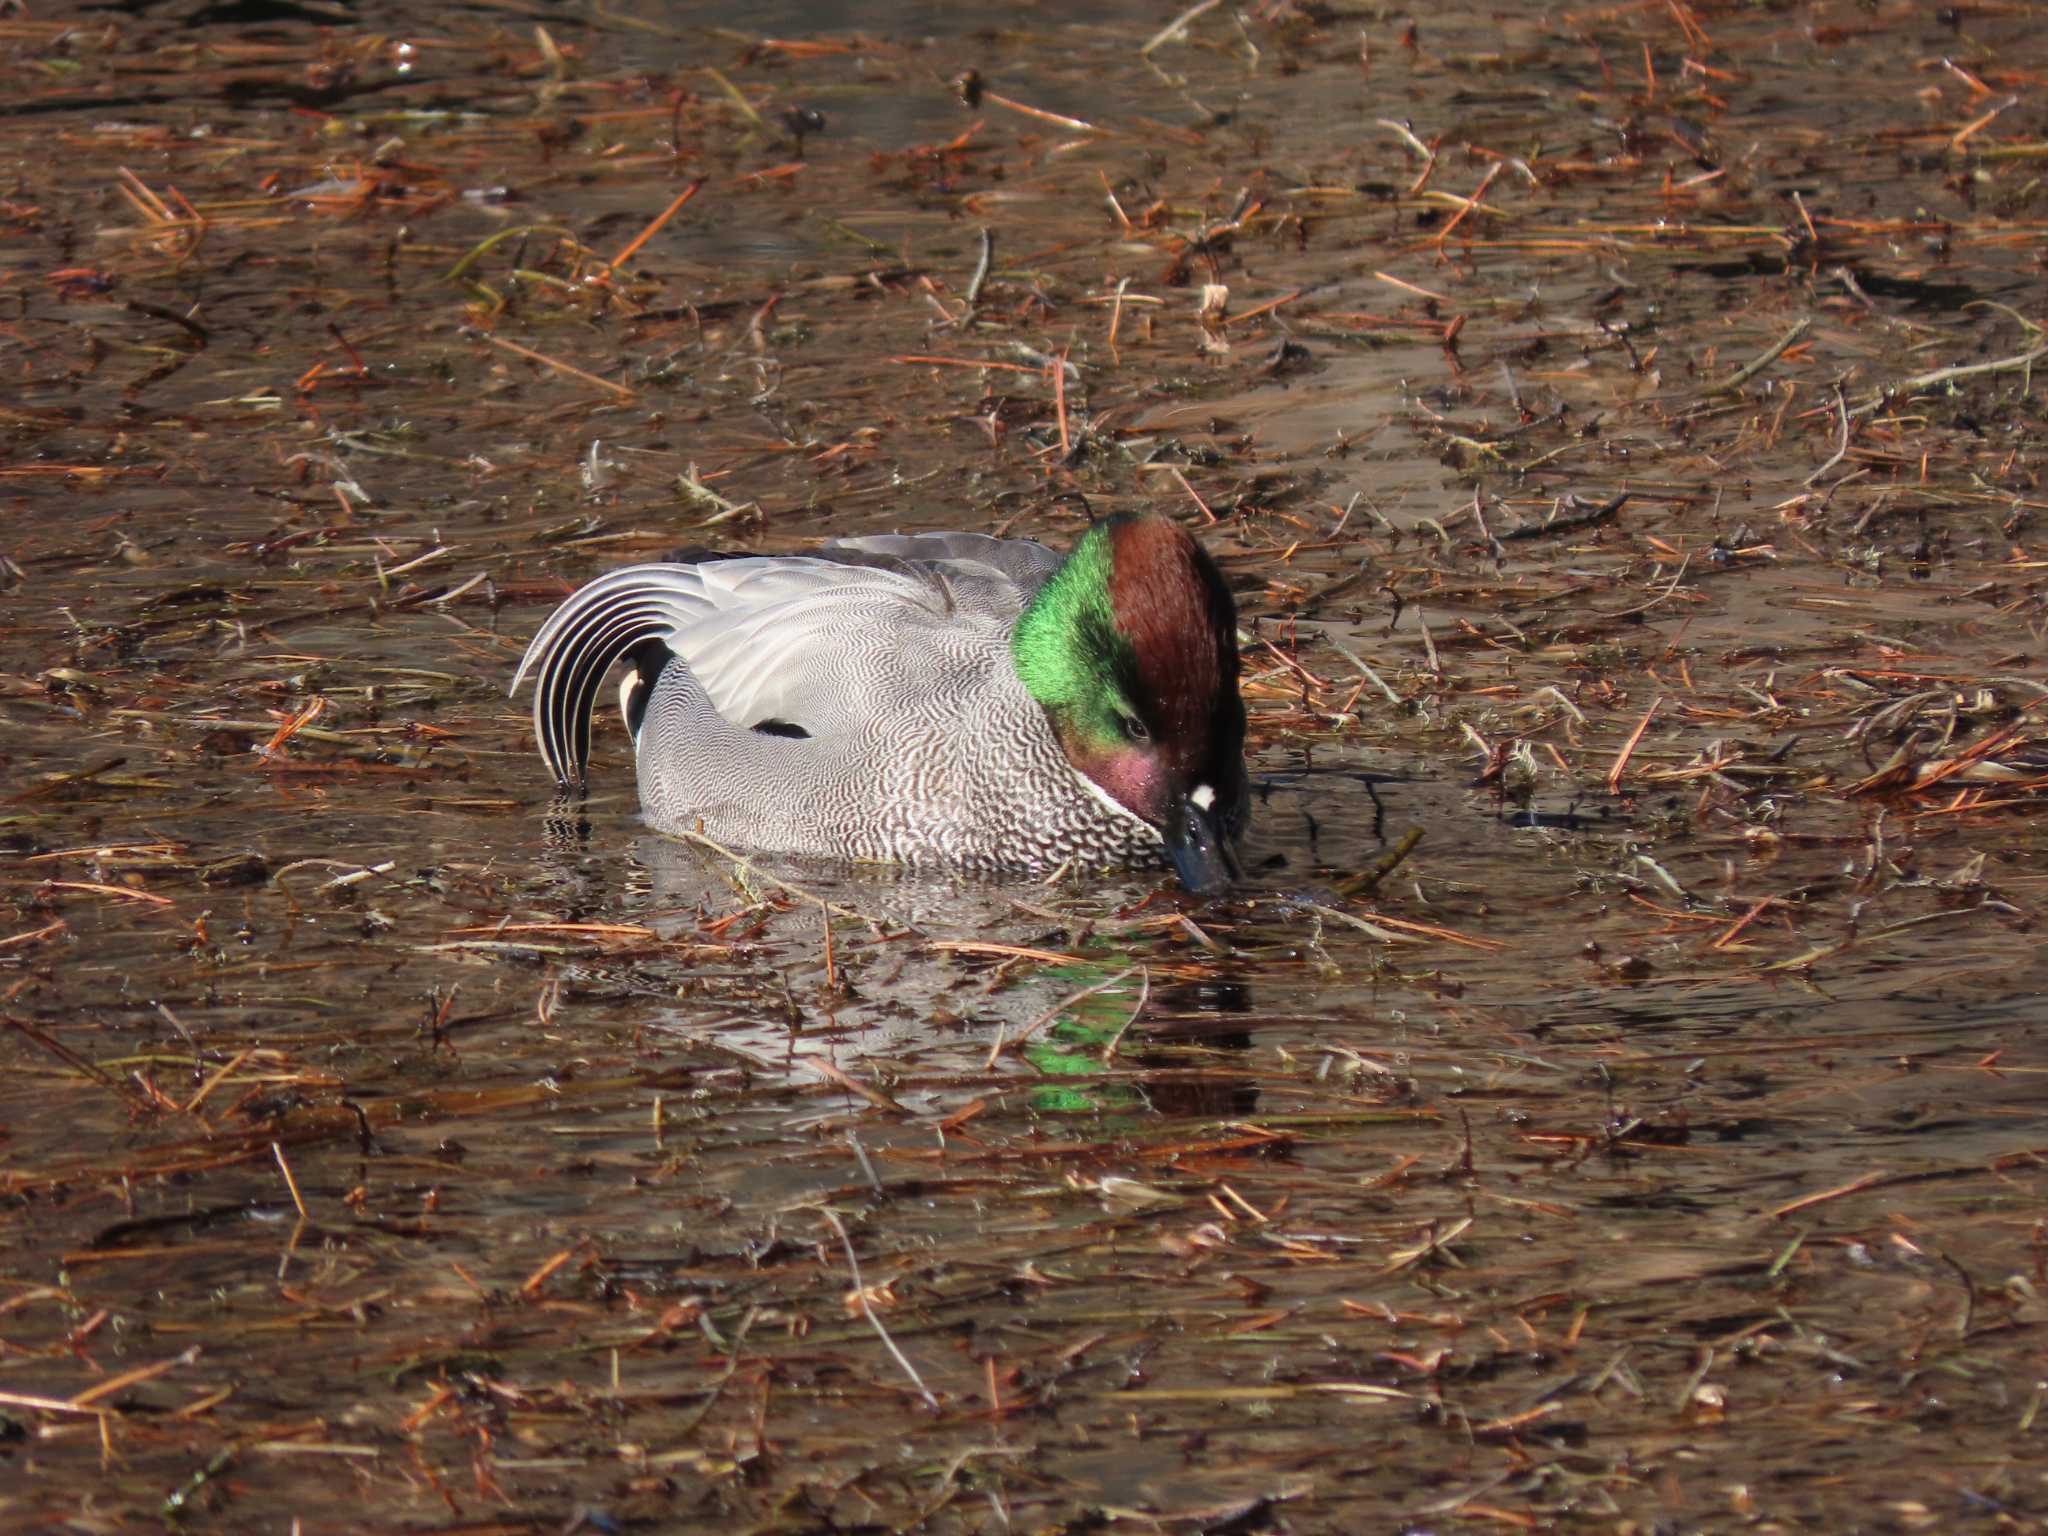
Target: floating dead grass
(1630, 482)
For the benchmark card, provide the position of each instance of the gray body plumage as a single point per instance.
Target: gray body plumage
(921, 744)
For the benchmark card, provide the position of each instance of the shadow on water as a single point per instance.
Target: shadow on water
(1620, 430)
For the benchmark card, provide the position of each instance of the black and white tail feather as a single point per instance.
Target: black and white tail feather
(624, 613)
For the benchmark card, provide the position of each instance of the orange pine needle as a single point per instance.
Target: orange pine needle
(540, 1276)
(1628, 747)
(566, 369)
(1259, 309)
(660, 219)
(963, 362)
(298, 722)
(1059, 404)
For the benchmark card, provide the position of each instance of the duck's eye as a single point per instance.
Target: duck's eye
(1134, 728)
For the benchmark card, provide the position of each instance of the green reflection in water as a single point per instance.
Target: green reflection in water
(1073, 1048)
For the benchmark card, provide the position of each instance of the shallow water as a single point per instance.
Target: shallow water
(1658, 1147)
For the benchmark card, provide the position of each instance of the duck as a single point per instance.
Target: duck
(931, 700)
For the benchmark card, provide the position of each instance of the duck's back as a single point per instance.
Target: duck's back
(863, 704)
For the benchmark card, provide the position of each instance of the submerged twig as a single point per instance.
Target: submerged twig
(996, 1050)
(1144, 996)
(1367, 880)
(1758, 364)
(1924, 381)
(860, 1293)
(981, 267)
(1178, 25)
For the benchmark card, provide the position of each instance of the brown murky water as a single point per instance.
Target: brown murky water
(1659, 1147)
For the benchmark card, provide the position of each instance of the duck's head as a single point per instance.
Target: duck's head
(1131, 647)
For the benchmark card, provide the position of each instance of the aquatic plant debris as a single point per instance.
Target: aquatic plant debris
(1621, 427)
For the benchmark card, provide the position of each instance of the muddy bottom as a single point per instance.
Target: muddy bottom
(1622, 431)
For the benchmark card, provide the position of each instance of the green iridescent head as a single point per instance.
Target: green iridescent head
(1131, 648)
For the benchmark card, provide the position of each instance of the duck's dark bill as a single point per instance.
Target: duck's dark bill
(1201, 851)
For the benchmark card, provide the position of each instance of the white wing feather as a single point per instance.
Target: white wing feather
(768, 638)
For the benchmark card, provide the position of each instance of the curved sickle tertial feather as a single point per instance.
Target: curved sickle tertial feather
(578, 645)
(764, 638)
